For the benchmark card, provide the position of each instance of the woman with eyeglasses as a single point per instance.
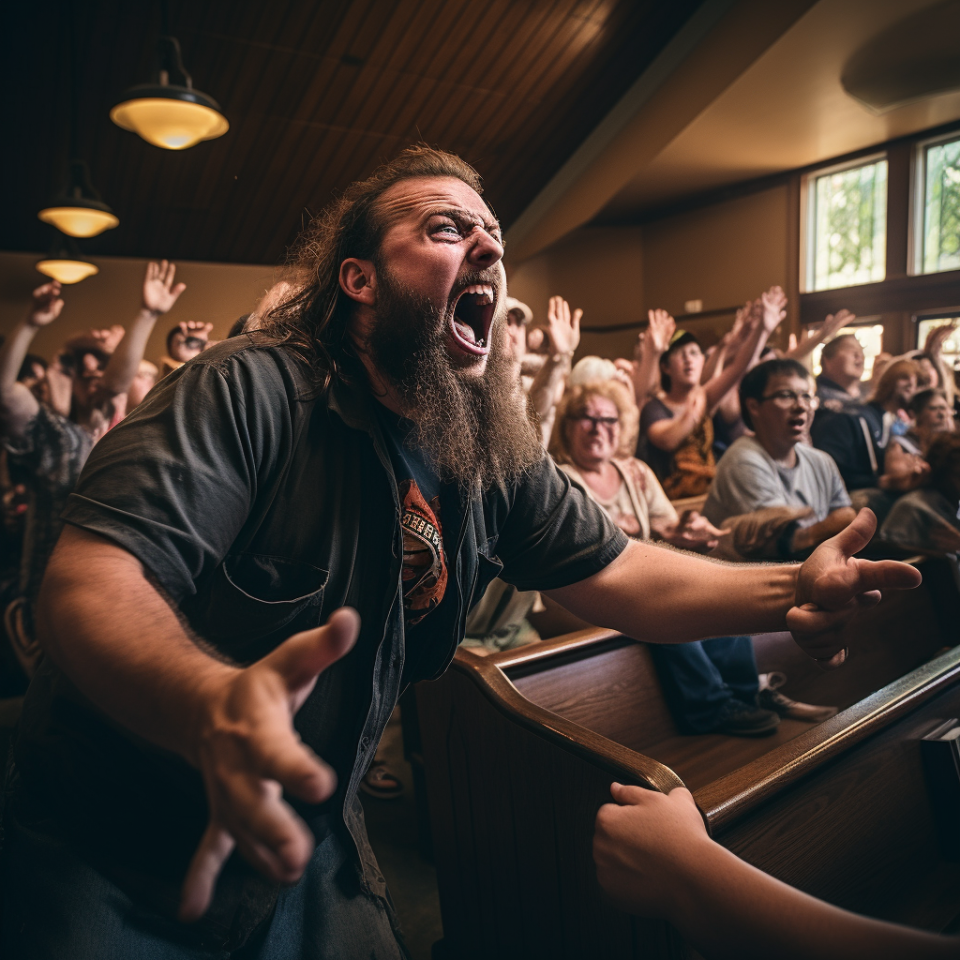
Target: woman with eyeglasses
(595, 435)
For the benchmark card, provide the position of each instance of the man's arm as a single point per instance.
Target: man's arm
(18, 406)
(831, 325)
(650, 348)
(127, 651)
(159, 296)
(805, 538)
(654, 858)
(666, 596)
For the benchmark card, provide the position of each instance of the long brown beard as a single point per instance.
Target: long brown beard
(475, 429)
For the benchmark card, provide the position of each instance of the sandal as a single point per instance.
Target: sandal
(380, 782)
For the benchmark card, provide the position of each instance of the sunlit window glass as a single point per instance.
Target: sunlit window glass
(850, 226)
(870, 337)
(941, 207)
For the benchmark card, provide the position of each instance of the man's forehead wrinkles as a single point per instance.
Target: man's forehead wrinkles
(429, 198)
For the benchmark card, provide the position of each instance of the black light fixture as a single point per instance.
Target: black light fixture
(77, 210)
(65, 262)
(170, 113)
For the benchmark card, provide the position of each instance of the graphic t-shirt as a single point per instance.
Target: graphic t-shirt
(425, 503)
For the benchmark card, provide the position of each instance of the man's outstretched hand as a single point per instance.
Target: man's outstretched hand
(833, 584)
(249, 753)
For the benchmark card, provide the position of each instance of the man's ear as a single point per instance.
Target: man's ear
(753, 408)
(358, 280)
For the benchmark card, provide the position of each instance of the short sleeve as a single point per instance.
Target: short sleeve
(554, 534)
(174, 483)
(745, 482)
(839, 497)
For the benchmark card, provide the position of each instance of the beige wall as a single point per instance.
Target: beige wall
(216, 292)
(597, 268)
(721, 254)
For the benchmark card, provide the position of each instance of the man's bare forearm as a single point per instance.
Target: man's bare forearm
(122, 644)
(668, 596)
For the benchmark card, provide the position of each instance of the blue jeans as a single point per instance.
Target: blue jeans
(56, 906)
(699, 678)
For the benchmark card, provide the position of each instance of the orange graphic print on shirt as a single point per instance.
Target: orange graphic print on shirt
(424, 564)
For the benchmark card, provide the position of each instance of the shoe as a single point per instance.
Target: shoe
(381, 783)
(770, 698)
(739, 719)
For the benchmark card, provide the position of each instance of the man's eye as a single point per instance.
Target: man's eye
(448, 229)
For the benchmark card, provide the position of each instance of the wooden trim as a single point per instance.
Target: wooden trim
(897, 294)
(620, 762)
(725, 801)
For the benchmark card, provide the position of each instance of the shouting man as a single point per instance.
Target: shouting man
(187, 766)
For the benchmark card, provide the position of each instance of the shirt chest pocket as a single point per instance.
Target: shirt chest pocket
(252, 598)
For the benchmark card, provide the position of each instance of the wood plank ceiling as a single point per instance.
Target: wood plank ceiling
(317, 93)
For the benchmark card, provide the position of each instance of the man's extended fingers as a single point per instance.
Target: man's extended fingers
(299, 770)
(856, 535)
(197, 892)
(301, 658)
(887, 575)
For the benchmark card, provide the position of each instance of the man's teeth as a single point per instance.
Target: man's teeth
(481, 290)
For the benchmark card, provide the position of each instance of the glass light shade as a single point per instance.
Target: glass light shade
(169, 123)
(67, 271)
(79, 221)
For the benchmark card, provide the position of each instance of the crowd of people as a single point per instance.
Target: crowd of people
(363, 438)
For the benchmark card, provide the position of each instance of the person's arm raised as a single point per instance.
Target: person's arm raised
(670, 432)
(772, 313)
(18, 406)
(159, 296)
(650, 348)
(654, 858)
(235, 725)
(667, 596)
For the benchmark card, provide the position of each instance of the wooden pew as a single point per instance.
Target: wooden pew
(519, 749)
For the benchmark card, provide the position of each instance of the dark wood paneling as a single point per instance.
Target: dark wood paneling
(317, 94)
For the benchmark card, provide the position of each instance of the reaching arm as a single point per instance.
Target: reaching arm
(234, 725)
(654, 858)
(821, 334)
(772, 314)
(934, 346)
(159, 296)
(563, 337)
(670, 432)
(665, 596)
(805, 538)
(650, 348)
(901, 470)
(18, 406)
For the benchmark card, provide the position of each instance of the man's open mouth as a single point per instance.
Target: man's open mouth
(472, 318)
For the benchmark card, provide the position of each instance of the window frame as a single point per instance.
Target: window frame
(808, 208)
(918, 206)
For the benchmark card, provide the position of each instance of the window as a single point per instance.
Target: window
(847, 226)
(938, 219)
(870, 336)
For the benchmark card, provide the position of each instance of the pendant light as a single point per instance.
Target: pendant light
(78, 210)
(65, 263)
(170, 113)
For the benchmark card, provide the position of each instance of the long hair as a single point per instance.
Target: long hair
(888, 381)
(313, 321)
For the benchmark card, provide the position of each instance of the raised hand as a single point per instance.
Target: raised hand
(834, 322)
(46, 305)
(936, 337)
(662, 328)
(773, 304)
(249, 753)
(196, 329)
(833, 584)
(159, 293)
(563, 328)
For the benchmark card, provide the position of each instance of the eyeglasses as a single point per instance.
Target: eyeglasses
(785, 399)
(595, 423)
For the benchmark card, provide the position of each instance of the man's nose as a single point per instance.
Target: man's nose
(485, 249)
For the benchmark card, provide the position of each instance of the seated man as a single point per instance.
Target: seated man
(839, 386)
(775, 469)
(857, 438)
